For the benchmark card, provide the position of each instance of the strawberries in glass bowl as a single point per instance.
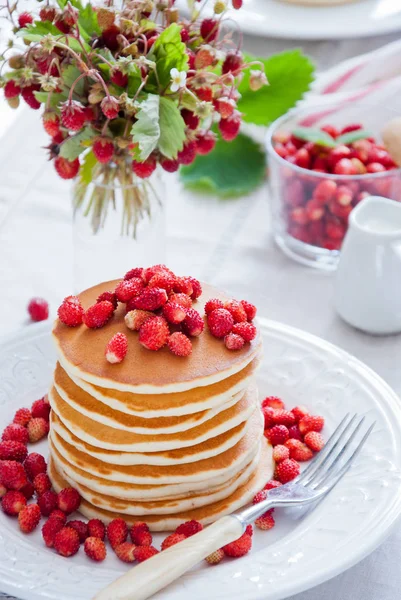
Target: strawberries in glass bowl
(321, 165)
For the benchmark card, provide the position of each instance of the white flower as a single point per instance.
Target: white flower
(178, 79)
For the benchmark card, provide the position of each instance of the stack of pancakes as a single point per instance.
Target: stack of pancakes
(157, 438)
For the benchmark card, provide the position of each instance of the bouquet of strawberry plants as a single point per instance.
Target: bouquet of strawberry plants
(126, 89)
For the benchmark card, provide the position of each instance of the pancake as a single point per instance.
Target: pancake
(103, 436)
(212, 447)
(173, 404)
(81, 353)
(223, 466)
(164, 506)
(87, 405)
(206, 514)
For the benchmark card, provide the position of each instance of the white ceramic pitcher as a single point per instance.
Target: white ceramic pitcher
(368, 281)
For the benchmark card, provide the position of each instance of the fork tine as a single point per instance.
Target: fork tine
(337, 452)
(336, 472)
(331, 443)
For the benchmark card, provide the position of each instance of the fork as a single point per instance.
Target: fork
(310, 487)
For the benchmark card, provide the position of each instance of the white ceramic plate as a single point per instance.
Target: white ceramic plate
(279, 19)
(295, 555)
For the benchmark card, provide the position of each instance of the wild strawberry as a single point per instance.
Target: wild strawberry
(259, 497)
(66, 169)
(294, 433)
(272, 484)
(11, 89)
(40, 409)
(141, 536)
(24, 19)
(12, 474)
(169, 165)
(125, 552)
(273, 402)
(117, 532)
(172, 540)
(73, 115)
(70, 311)
(189, 528)
(98, 315)
(225, 107)
(298, 450)
(250, 309)
(196, 287)
(187, 155)
(205, 94)
(142, 553)
(174, 313)
(11, 450)
(59, 514)
(150, 272)
(12, 503)
(47, 503)
(314, 441)
(246, 330)
(51, 123)
(204, 58)
(229, 128)
(38, 309)
(22, 417)
(212, 305)
(280, 453)
(134, 319)
(28, 94)
(299, 412)
(163, 280)
(68, 500)
(215, 557)
(310, 423)
(190, 119)
(136, 272)
(268, 416)
(265, 522)
(239, 547)
(16, 433)
(179, 344)
(119, 78)
(209, 29)
(150, 299)
(205, 142)
(237, 310)
(103, 149)
(287, 470)
(95, 549)
(96, 528)
(37, 429)
(117, 348)
(110, 106)
(220, 322)
(183, 285)
(154, 333)
(284, 417)
(233, 62)
(277, 434)
(28, 490)
(144, 169)
(50, 529)
(232, 341)
(42, 483)
(236, 4)
(193, 324)
(66, 542)
(181, 299)
(47, 13)
(28, 518)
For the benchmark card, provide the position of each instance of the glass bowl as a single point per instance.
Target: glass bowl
(310, 209)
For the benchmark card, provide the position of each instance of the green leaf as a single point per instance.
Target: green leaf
(317, 136)
(73, 146)
(172, 128)
(353, 136)
(147, 25)
(55, 99)
(38, 29)
(168, 52)
(289, 74)
(146, 130)
(88, 163)
(87, 22)
(70, 75)
(232, 169)
(134, 81)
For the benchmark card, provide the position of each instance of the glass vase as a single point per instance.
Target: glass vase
(119, 223)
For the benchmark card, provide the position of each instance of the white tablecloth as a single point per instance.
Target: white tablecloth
(225, 242)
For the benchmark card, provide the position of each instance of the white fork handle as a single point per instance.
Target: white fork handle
(149, 577)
